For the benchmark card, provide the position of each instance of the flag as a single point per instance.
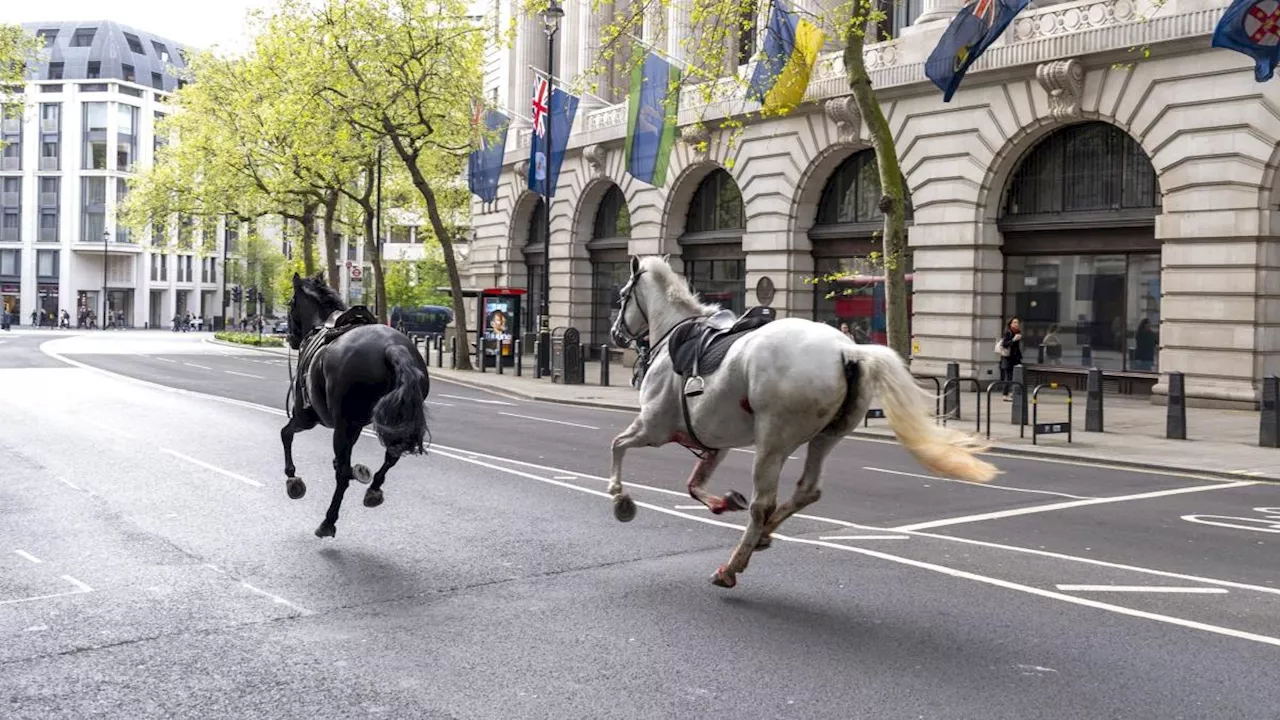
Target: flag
(484, 166)
(554, 113)
(1252, 27)
(791, 48)
(652, 119)
(970, 33)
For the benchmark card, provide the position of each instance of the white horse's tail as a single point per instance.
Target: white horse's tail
(943, 450)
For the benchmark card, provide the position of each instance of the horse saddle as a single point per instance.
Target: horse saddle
(697, 348)
(339, 323)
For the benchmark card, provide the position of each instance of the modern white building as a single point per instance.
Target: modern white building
(84, 128)
(1121, 203)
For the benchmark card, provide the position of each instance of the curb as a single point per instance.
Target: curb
(519, 395)
(242, 346)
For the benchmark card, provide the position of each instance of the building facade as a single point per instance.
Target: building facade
(1119, 202)
(84, 127)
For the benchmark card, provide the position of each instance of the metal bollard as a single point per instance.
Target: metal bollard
(1176, 419)
(582, 360)
(1018, 413)
(453, 351)
(519, 351)
(537, 353)
(604, 366)
(1040, 354)
(1086, 355)
(439, 353)
(1093, 402)
(498, 358)
(480, 355)
(951, 401)
(1269, 428)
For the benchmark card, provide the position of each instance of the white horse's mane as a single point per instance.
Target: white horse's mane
(675, 288)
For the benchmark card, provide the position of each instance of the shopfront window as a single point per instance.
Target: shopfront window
(608, 279)
(850, 291)
(714, 263)
(1085, 311)
(723, 282)
(610, 266)
(535, 254)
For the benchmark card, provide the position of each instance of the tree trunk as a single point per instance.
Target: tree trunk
(308, 221)
(333, 259)
(373, 246)
(893, 198)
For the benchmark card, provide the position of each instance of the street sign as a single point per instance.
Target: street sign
(356, 273)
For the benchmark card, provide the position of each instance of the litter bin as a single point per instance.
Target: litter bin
(566, 356)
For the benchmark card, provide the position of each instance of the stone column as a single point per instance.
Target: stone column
(938, 11)
(679, 29)
(590, 58)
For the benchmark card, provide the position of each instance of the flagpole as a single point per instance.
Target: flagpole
(538, 71)
(551, 23)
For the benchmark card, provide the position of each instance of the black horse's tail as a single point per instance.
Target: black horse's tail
(400, 417)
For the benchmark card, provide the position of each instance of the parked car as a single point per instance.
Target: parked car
(425, 320)
(281, 327)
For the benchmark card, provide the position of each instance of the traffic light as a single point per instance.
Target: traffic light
(236, 294)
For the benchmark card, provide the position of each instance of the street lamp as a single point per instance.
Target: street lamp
(551, 17)
(106, 237)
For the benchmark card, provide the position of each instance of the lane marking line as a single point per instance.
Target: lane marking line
(275, 598)
(1000, 514)
(865, 537)
(689, 507)
(940, 569)
(1252, 524)
(549, 420)
(442, 404)
(27, 556)
(842, 523)
(566, 477)
(980, 485)
(1144, 589)
(42, 597)
(160, 359)
(68, 483)
(486, 402)
(753, 452)
(202, 367)
(233, 372)
(79, 585)
(215, 468)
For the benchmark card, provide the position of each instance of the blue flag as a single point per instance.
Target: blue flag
(651, 120)
(484, 165)
(970, 33)
(1252, 27)
(557, 115)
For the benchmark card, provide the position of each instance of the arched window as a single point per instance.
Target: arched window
(535, 255)
(1082, 263)
(610, 266)
(847, 244)
(711, 245)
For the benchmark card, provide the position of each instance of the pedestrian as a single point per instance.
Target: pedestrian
(844, 328)
(1009, 346)
(35, 319)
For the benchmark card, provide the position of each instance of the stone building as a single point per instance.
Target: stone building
(1119, 201)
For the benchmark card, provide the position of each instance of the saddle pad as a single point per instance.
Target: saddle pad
(683, 353)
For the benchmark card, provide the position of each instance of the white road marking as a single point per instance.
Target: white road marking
(549, 420)
(486, 402)
(27, 556)
(865, 537)
(753, 452)
(202, 367)
(1269, 523)
(68, 483)
(437, 402)
(160, 359)
(1143, 589)
(980, 485)
(275, 598)
(18, 601)
(566, 477)
(233, 372)
(999, 514)
(689, 507)
(941, 569)
(79, 585)
(214, 468)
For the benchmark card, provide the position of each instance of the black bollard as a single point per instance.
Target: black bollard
(951, 401)
(453, 351)
(1176, 422)
(1093, 402)
(1018, 413)
(604, 366)
(519, 351)
(1269, 429)
(582, 360)
(439, 353)
(498, 358)
(537, 353)
(1086, 355)
(1040, 354)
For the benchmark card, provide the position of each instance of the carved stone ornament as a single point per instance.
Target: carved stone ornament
(848, 119)
(1064, 81)
(698, 139)
(596, 156)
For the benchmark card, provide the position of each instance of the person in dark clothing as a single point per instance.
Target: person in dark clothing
(1011, 353)
(1144, 352)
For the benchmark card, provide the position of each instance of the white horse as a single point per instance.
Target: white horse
(785, 384)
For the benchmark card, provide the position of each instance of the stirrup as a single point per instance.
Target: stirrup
(694, 386)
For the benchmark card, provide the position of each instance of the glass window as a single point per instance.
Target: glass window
(94, 70)
(852, 193)
(11, 226)
(719, 281)
(49, 188)
(534, 296)
(162, 52)
(130, 75)
(10, 262)
(83, 37)
(93, 220)
(48, 226)
(55, 70)
(400, 233)
(1087, 310)
(135, 44)
(47, 263)
(47, 36)
(126, 137)
(717, 205)
(1090, 167)
(609, 275)
(123, 233)
(612, 218)
(95, 136)
(854, 296)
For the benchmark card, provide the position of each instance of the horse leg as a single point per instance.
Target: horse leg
(373, 496)
(807, 492)
(301, 420)
(764, 499)
(706, 465)
(624, 508)
(344, 440)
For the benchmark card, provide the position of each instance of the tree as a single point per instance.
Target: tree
(715, 48)
(18, 49)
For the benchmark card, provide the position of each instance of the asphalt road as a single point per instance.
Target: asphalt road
(152, 566)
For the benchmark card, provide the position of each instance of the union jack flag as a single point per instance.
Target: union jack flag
(540, 101)
(477, 123)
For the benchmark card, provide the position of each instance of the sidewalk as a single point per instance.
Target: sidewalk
(1222, 443)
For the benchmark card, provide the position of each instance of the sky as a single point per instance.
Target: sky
(195, 24)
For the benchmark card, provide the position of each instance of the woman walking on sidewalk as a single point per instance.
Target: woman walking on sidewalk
(1010, 353)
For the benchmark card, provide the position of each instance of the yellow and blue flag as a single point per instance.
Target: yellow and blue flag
(970, 33)
(791, 48)
(1252, 27)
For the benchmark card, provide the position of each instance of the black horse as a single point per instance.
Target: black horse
(352, 372)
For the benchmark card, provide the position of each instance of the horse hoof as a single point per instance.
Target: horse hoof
(295, 487)
(362, 474)
(733, 501)
(723, 579)
(372, 498)
(326, 529)
(765, 543)
(624, 508)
